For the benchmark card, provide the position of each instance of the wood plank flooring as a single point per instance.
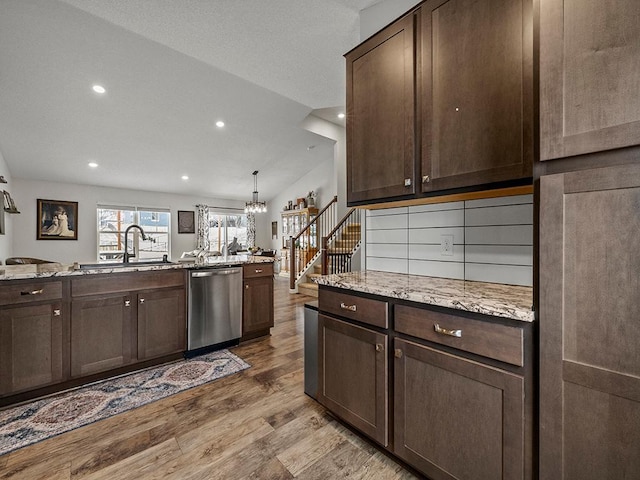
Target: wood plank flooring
(257, 424)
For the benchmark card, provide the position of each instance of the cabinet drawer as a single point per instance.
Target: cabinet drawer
(252, 270)
(365, 310)
(500, 342)
(11, 294)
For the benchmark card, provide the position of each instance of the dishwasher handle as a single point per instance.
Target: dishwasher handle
(211, 273)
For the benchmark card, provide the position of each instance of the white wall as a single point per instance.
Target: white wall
(320, 179)
(492, 240)
(84, 250)
(381, 14)
(6, 219)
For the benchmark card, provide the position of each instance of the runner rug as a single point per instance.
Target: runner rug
(35, 421)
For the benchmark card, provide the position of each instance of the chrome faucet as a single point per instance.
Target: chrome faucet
(125, 258)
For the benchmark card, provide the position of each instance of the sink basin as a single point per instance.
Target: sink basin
(90, 266)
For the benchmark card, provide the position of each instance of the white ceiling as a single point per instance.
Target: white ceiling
(172, 68)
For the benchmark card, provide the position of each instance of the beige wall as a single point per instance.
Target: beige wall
(7, 220)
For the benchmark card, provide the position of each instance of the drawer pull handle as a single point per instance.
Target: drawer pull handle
(142, 300)
(379, 347)
(127, 303)
(351, 308)
(32, 292)
(407, 182)
(398, 353)
(258, 270)
(56, 313)
(444, 331)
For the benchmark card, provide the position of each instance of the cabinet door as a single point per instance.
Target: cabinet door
(455, 418)
(101, 335)
(161, 323)
(589, 328)
(257, 311)
(380, 115)
(31, 347)
(352, 375)
(476, 91)
(589, 70)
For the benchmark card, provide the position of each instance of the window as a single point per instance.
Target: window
(223, 228)
(113, 222)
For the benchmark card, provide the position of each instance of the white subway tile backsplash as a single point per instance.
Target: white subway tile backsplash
(503, 215)
(437, 269)
(507, 274)
(387, 236)
(499, 235)
(387, 264)
(499, 254)
(388, 250)
(493, 240)
(433, 252)
(434, 207)
(432, 235)
(387, 222)
(495, 202)
(446, 218)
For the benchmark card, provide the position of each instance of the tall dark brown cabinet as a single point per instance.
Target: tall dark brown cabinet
(589, 244)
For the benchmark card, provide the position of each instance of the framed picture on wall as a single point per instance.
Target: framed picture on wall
(57, 220)
(274, 230)
(186, 221)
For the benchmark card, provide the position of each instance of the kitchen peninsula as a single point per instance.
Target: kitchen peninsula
(63, 325)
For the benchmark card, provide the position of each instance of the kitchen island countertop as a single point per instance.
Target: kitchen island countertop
(508, 301)
(50, 270)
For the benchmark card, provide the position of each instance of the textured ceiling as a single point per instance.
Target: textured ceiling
(171, 69)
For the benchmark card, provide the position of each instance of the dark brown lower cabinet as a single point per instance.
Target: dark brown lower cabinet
(161, 323)
(101, 331)
(31, 347)
(257, 300)
(589, 328)
(353, 375)
(455, 418)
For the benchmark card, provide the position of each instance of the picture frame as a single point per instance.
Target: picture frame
(57, 220)
(186, 221)
(274, 230)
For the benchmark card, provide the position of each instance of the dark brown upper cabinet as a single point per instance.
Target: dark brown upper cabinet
(442, 97)
(380, 115)
(589, 71)
(475, 92)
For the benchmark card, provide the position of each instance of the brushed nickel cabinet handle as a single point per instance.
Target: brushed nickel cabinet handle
(246, 286)
(258, 270)
(351, 308)
(426, 179)
(398, 353)
(379, 347)
(32, 292)
(407, 182)
(56, 313)
(444, 331)
(127, 303)
(142, 300)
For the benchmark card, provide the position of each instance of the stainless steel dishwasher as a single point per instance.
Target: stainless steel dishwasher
(215, 309)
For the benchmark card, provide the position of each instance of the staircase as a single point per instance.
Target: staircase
(337, 250)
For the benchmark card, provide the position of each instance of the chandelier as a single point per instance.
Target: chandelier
(254, 206)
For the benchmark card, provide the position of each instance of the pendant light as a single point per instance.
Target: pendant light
(254, 206)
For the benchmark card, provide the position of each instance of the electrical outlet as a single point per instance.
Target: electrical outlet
(446, 245)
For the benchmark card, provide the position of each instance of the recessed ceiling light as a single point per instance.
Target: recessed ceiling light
(93, 164)
(99, 89)
(341, 115)
(219, 124)
(310, 147)
(185, 177)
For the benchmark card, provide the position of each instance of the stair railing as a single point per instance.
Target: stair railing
(339, 245)
(304, 248)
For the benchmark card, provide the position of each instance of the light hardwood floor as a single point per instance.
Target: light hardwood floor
(257, 424)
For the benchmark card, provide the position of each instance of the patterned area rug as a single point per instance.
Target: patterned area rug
(32, 422)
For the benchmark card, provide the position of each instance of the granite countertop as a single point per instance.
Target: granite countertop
(49, 270)
(509, 301)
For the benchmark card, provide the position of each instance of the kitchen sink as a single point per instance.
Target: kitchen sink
(90, 266)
